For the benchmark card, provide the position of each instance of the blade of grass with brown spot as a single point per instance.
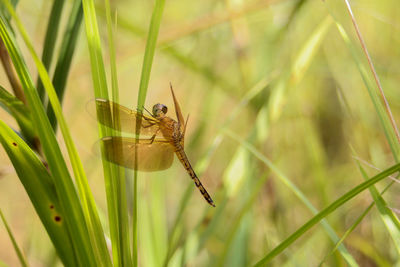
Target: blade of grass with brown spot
(81, 216)
(40, 188)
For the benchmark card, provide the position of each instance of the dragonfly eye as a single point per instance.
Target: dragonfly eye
(164, 109)
(159, 108)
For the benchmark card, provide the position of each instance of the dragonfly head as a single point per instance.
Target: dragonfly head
(159, 110)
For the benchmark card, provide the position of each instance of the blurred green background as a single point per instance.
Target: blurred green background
(277, 75)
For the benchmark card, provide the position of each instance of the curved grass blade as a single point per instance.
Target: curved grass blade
(246, 145)
(95, 231)
(144, 82)
(325, 212)
(347, 233)
(297, 70)
(9, 70)
(20, 255)
(20, 112)
(6, 14)
(120, 184)
(359, 219)
(387, 215)
(385, 103)
(388, 125)
(65, 56)
(389, 131)
(173, 237)
(236, 223)
(111, 172)
(50, 41)
(355, 224)
(346, 255)
(149, 52)
(65, 188)
(40, 188)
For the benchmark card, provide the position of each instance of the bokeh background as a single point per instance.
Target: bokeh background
(277, 75)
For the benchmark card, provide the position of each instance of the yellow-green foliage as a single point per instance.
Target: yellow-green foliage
(288, 124)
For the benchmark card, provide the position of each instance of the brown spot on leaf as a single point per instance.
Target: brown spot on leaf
(14, 144)
(57, 218)
(51, 206)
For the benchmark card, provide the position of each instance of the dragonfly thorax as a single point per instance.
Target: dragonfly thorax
(159, 110)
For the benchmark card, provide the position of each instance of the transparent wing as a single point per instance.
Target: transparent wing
(150, 157)
(108, 112)
(178, 111)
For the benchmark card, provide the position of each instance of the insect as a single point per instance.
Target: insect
(165, 137)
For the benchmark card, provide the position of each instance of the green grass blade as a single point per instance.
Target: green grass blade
(149, 52)
(307, 52)
(111, 172)
(390, 220)
(144, 82)
(387, 128)
(20, 255)
(346, 255)
(64, 185)
(245, 144)
(356, 223)
(325, 212)
(6, 60)
(7, 15)
(387, 215)
(96, 235)
(65, 188)
(20, 112)
(66, 53)
(348, 232)
(374, 73)
(120, 182)
(233, 229)
(367, 79)
(295, 130)
(173, 238)
(113, 62)
(50, 40)
(295, 74)
(94, 44)
(40, 188)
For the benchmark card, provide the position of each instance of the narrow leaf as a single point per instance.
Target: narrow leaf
(20, 255)
(40, 188)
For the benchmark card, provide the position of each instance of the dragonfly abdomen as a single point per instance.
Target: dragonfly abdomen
(185, 162)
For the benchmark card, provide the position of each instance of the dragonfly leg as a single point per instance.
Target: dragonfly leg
(147, 112)
(147, 126)
(154, 136)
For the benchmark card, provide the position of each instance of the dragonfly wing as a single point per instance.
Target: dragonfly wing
(110, 113)
(184, 131)
(123, 151)
(178, 111)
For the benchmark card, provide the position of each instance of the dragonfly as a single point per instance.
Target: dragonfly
(164, 137)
